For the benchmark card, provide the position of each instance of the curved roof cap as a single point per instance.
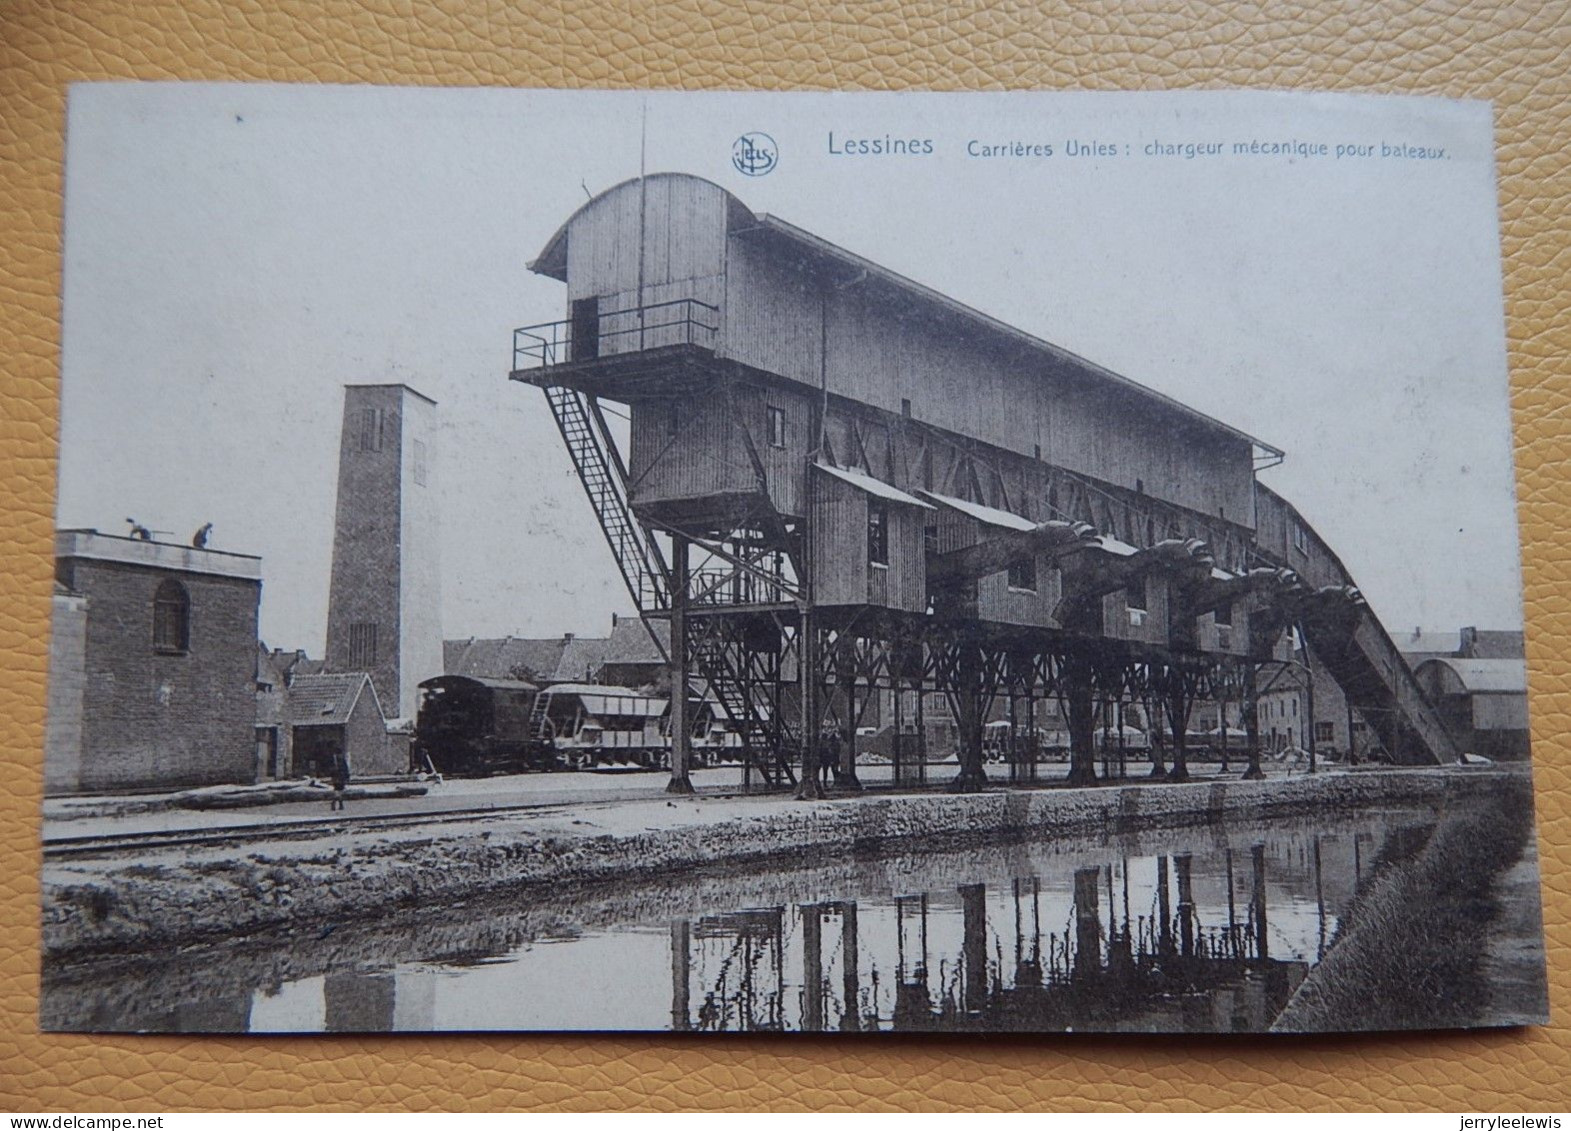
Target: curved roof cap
(1486, 676)
(552, 262)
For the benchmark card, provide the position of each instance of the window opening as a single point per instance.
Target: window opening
(171, 617)
(878, 534)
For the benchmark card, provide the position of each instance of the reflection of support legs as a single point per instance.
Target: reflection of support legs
(1186, 906)
(681, 975)
(1232, 910)
(812, 968)
(1320, 904)
(1258, 900)
(973, 910)
(851, 1019)
(1164, 910)
(1088, 925)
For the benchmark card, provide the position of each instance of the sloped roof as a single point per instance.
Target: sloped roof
(327, 699)
(581, 658)
(268, 668)
(1488, 676)
(1437, 641)
(992, 516)
(556, 659)
(630, 643)
(502, 658)
(1497, 644)
(875, 487)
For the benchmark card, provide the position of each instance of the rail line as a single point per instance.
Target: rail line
(103, 844)
(109, 843)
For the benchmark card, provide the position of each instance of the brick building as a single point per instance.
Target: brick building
(337, 713)
(275, 669)
(152, 665)
(384, 605)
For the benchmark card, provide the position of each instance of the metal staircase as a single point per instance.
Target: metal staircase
(765, 740)
(647, 575)
(604, 477)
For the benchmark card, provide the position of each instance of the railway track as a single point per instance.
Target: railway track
(60, 847)
(310, 828)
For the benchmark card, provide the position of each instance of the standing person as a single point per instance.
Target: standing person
(340, 779)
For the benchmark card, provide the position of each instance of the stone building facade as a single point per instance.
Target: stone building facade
(153, 665)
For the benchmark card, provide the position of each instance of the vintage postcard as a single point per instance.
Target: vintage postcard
(536, 560)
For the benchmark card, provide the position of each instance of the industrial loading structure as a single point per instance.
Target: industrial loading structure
(841, 486)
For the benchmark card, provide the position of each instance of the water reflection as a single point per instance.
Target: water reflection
(1183, 930)
(1174, 943)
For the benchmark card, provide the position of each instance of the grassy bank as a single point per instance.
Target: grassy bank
(111, 905)
(1408, 954)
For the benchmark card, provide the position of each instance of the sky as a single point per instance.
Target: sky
(236, 254)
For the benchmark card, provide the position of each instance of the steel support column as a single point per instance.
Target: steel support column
(681, 728)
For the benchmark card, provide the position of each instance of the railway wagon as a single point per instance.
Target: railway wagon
(589, 725)
(470, 725)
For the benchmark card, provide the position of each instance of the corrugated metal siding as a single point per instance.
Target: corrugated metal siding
(964, 383)
(704, 457)
(1500, 712)
(773, 316)
(1274, 535)
(839, 542)
(784, 468)
(905, 581)
(684, 238)
(1117, 623)
(843, 575)
(995, 601)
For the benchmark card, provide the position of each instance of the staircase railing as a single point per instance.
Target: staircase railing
(604, 478)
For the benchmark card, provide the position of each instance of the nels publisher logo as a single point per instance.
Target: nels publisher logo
(754, 154)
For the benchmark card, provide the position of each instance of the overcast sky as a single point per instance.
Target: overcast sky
(236, 254)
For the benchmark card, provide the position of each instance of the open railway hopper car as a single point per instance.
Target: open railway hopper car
(470, 725)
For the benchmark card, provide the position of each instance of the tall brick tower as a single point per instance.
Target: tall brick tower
(384, 608)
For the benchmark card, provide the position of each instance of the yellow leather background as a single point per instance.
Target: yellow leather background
(1514, 55)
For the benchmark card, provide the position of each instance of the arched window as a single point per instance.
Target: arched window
(171, 617)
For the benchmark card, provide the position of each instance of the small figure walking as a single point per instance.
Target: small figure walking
(340, 780)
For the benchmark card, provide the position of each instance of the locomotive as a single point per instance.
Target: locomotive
(470, 725)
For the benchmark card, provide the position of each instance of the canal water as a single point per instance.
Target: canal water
(1192, 930)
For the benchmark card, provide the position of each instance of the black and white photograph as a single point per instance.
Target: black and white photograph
(787, 563)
